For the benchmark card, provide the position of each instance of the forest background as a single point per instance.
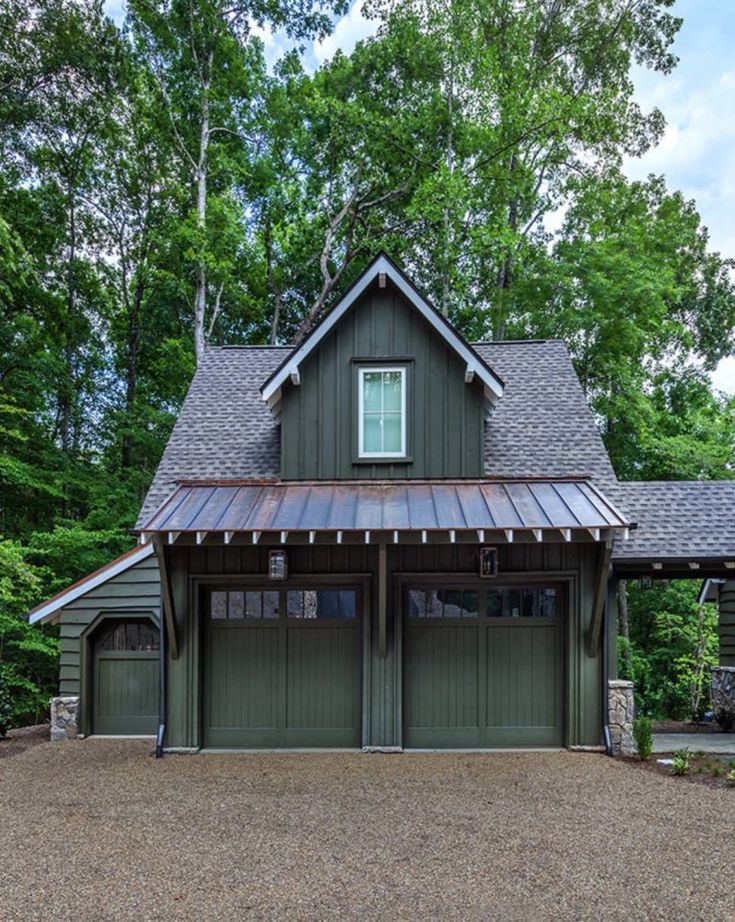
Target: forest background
(164, 186)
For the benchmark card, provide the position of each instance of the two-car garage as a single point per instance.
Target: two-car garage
(482, 668)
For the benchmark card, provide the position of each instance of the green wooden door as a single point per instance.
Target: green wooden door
(282, 668)
(126, 678)
(482, 667)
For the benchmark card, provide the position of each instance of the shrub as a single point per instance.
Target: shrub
(681, 762)
(643, 735)
(730, 777)
(7, 710)
(725, 717)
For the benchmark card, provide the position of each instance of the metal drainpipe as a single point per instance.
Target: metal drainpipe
(162, 690)
(606, 735)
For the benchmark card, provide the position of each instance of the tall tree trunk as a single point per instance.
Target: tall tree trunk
(450, 172)
(66, 391)
(131, 368)
(624, 626)
(274, 286)
(200, 298)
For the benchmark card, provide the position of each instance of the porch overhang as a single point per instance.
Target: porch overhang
(382, 512)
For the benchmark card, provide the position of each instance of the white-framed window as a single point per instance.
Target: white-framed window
(381, 395)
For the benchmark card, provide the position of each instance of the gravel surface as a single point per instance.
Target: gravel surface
(23, 738)
(100, 830)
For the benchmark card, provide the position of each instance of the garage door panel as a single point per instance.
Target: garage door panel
(283, 674)
(522, 683)
(491, 677)
(126, 678)
(243, 672)
(322, 664)
(441, 686)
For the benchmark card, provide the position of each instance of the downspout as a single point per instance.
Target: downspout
(606, 735)
(162, 691)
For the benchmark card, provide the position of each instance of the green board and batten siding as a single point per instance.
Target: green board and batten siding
(445, 415)
(571, 565)
(135, 590)
(727, 623)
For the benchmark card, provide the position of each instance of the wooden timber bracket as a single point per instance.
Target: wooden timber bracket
(167, 598)
(602, 574)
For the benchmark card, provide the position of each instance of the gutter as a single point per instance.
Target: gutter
(606, 734)
(160, 735)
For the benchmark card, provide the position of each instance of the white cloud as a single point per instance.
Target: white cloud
(349, 30)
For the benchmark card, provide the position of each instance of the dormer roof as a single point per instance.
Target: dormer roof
(384, 269)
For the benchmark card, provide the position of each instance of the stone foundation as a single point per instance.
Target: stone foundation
(723, 696)
(621, 711)
(64, 712)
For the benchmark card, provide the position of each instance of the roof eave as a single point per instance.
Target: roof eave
(493, 385)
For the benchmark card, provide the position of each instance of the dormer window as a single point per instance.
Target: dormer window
(381, 412)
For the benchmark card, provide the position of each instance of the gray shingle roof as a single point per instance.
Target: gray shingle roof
(540, 427)
(687, 519)
(224, 430)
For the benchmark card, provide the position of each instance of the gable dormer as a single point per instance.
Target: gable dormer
(383, 387)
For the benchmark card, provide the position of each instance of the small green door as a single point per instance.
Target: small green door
(126, 678)
(282, 668)
(482, 667)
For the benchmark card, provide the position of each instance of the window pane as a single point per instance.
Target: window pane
(546, 607)
(392, 387)
(131, 636)
(149, 637)
(270, 604)
(311, 604)
(294, 603)
(348, 604)
(470, 604)
(253, 605)
(494, 604)
(434, 605)
(236, 605)
(219, 604)
(328, 603)
(528, 602)
(416, 603)
(513, 603)
(372, 390)
(372, 433)
(452, 600)
(392, 432)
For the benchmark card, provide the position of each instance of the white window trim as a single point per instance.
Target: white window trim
(361, 453)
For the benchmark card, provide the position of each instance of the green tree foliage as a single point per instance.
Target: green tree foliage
(673, 643)
(161, 188)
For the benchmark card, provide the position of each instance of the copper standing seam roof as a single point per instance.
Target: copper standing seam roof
(380, 505)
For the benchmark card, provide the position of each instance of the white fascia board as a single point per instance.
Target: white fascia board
(85, 585)
(493, 387)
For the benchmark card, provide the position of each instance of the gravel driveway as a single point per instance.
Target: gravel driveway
(100, 830)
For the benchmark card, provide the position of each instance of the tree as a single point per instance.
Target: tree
(207, 66)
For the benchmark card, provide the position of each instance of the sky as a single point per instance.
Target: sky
(697, 99)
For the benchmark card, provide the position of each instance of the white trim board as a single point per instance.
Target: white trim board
(45, 611)
(271, 391)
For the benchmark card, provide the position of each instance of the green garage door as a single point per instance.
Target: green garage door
(482, 667)
(126, 671)
(282, 669)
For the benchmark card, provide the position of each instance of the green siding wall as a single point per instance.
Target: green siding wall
(574, 564)
(136, 590)
(445, 415)
(727, 623)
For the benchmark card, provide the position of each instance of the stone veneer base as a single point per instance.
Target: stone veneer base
(64, 718)
(621, 711)
(723, 696)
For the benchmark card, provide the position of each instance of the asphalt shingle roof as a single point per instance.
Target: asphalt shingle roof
(677, 519)
(540, 427)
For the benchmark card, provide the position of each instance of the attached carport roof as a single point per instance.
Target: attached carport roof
(558, 509)
(685, 528)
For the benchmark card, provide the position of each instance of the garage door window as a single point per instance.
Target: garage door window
(521, 603)
(321, 603)
(240, 605)
(131, 636)
(443, 603)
